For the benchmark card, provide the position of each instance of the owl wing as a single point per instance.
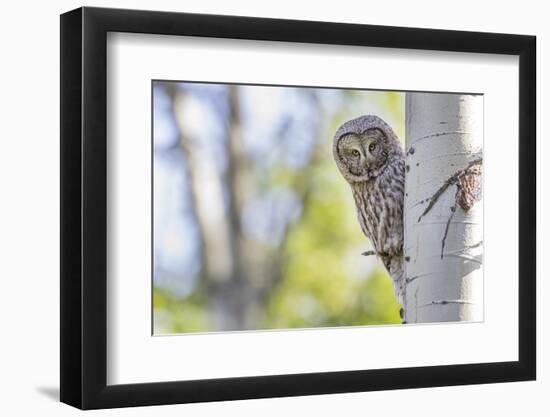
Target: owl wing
(390, 234)
(390, 226)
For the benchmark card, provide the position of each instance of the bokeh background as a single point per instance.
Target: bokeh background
(254, 228)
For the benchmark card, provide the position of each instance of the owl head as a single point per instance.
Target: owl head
(363, 147)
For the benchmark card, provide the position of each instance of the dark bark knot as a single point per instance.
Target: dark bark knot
(469, 186)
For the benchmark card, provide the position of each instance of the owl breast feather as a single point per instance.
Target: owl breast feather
(379, 204)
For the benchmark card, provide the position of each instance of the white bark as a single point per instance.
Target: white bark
(444, 281)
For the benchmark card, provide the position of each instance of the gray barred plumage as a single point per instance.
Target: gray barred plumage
(370, 158)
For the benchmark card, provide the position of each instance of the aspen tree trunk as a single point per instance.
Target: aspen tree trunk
(443, 216)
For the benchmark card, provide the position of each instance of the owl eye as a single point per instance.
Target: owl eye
(355, 152)
(372, 147)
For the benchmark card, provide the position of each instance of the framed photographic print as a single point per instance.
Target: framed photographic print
(257, 207)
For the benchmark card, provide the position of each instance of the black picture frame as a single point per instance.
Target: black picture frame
(84, 207)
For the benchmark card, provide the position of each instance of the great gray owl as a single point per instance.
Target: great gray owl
(370, 158)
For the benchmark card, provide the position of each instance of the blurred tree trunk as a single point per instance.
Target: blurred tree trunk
(443, 208)
(218, 201)
(234, 301)
(208, 205)
(238, 273)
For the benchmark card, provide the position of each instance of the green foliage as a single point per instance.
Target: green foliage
(174, 314)
(325, 280)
